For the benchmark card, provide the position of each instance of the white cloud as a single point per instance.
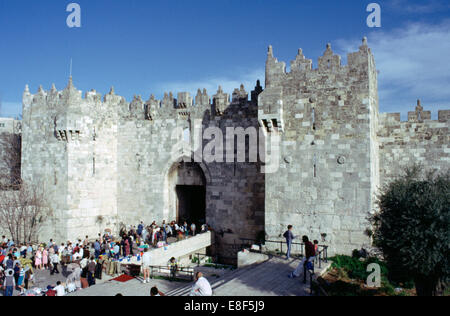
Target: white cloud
(413, 64)
(407, 7)
(248, 78)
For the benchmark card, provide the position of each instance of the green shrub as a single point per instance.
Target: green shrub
(412, 229)
(355, 254)
(195, 260)
(356, 268)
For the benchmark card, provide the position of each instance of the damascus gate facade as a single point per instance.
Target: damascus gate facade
(322, 151)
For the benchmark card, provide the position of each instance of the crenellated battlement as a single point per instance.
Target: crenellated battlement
(72, 100)
(321, 93)
(328, 64)
(419, 115)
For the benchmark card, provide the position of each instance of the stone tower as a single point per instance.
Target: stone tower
(70, 147)
(326, 120)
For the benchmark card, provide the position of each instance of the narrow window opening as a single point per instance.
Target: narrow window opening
(314, 119)
(315, 166)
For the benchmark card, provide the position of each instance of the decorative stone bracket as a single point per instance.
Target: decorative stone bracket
(68, 128)
(67, 136)
(270, 110)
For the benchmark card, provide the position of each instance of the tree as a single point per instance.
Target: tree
(412, 228)
(10, 160)
(23, 211)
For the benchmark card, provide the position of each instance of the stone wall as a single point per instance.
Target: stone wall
(150, 148)
(10, 125)
(326, 119)
(419, 140)
(62, 136)
(106, 162)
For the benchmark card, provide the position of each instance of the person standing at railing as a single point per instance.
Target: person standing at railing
(289, 236)
(309, 257)
(173, 264)
(316, 248)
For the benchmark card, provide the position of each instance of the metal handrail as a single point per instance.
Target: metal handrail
(197, 256)
(322, 255)
(186, 270)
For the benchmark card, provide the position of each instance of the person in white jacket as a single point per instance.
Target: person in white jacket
(60, 290)
(54, 260)
(201, 286)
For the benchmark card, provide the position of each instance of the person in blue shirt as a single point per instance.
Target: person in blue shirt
(97, 249)
(9, 262)
(140, 229)
(30, 252)
(16, 253)
(17, 273)
(289, 236)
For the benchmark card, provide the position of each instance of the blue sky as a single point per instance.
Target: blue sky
(143, 47)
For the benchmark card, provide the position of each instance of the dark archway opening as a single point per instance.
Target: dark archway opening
(191, 204)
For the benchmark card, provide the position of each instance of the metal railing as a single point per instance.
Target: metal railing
(199, 256)
(296, 248)
(168, 269)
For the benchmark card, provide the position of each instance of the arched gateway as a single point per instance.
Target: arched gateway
(187, 193)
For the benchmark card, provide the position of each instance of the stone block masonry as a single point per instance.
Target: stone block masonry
(336, 149)
(107, 162)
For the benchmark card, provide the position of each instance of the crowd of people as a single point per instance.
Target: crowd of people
(83, 260)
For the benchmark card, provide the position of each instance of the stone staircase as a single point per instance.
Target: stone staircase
(215, 283)
(269, 278)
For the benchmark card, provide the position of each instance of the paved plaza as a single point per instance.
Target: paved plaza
(269, 278)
